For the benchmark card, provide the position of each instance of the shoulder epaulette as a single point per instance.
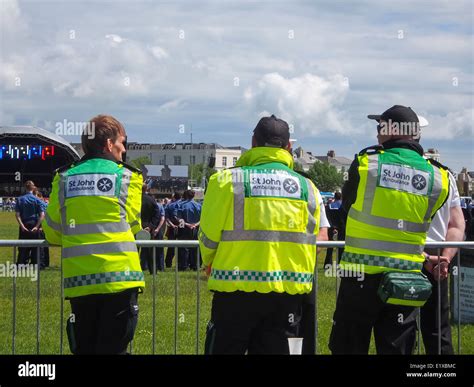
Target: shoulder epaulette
(437, 164)
(132, 168)
(65, 167)
(371, 150)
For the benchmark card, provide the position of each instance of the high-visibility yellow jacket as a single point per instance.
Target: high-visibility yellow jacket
(398, 194)
(93, 213)
(258, 227)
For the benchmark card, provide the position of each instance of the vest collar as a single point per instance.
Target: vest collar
(106, 156)
(263, 155)
(405, 144)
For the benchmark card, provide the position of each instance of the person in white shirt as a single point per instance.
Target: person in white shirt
(307, 324)
(447, 225)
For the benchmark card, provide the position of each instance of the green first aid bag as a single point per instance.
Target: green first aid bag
(404, 288)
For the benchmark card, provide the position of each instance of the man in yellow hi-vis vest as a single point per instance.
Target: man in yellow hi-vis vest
(258, 231)
(391, 196)
(94, 213)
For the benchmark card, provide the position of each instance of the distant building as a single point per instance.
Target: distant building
(340, 162)
(163, 180)
(465, 182)
(305, 159)
(186, 154)
(432, 153)
(183, 153)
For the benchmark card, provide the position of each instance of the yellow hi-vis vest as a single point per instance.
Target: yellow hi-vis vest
(93, 213)
(398, 194)
(259, 224)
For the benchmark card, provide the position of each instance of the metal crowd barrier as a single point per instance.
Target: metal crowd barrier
(194, 244)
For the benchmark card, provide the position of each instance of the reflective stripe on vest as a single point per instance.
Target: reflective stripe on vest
(395, 247)
(374, 260)
(311, 208)
(239, 198)
(268, 236)
(97, 228)
(435, 194)
(103, 278)
(210, 244)
(126, 177)
(394, 224)
(99, 248)
(52, 224)
(62, 199)
(261, 276)
(371, 184)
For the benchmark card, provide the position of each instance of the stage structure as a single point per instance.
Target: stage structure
(31, 153)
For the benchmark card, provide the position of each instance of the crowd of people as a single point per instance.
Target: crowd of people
(258, 229)
(177, 219)
(8, 204)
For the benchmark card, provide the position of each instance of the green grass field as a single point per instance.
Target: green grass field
(51, 321)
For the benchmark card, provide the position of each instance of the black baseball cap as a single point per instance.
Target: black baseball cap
(396, 113)
(272, 132)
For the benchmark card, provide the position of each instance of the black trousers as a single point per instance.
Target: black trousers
(359, 310)
(429, 319)
(307, 323)
(146, 256)
(187, 257)
(341, 235)
(255, 322)
(171, 234)
(104, 323)
(29, 254)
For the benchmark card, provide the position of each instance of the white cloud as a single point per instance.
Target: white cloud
(175, 104)
(83, 90)
(454, 125)
(312, 104)
(114, 39)
(14, 26)
(159, 53)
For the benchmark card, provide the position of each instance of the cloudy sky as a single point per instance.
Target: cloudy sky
(217, 66)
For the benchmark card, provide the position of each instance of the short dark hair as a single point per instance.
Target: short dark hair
(188, 194)
(177, 195)
(102, 128)
(337, 195)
